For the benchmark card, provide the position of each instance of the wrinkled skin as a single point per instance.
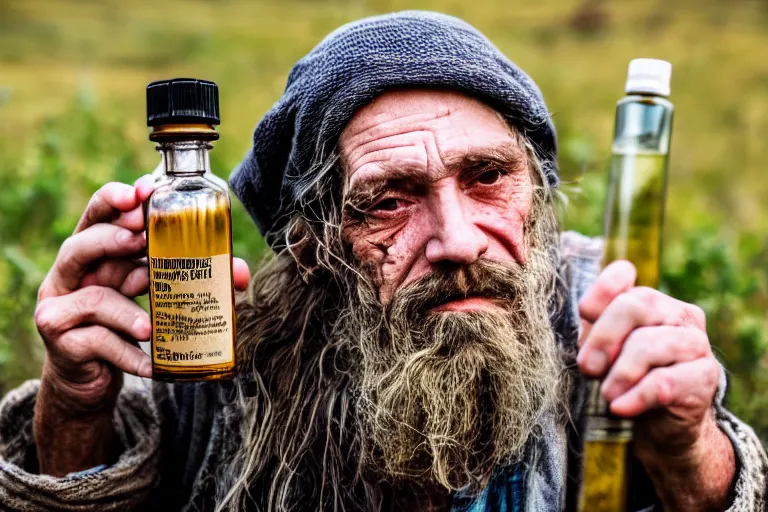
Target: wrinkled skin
(440, 178)
(457, 214)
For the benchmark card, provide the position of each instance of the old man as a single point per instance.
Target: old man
(417, 341)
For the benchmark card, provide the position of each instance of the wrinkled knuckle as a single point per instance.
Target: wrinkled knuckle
(67, 249)
(46, 316)
(75, 344)
(712, 374)
(684, 316)
(629, 301)
(665, 385)
(644, 295)
(697, 342)
(90, 298)
(92, 338)
(44, 290)
(121, 359)
(609, 290)
(697, 315)
(96, 295)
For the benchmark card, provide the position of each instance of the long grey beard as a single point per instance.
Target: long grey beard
(348, 388)
(446, 398)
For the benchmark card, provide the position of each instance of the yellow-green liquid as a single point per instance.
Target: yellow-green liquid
(604, 488)
(634, 221)
(636, 213)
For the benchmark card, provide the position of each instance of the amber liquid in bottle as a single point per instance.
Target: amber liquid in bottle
(189, 249)
(634, 219)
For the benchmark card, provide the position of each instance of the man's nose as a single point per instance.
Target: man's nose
(454, 236)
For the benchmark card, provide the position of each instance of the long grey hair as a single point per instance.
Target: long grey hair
(303, 445)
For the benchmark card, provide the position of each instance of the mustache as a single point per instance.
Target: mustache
(500, 282)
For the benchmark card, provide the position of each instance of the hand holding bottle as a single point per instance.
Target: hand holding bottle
(90, 324)
(658, 368)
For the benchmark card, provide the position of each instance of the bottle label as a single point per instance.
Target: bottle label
(192, 321)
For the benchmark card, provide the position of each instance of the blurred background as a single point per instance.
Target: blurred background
(72, 117)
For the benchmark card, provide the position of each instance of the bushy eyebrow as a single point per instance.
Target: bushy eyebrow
(413, 180)
(510, 157)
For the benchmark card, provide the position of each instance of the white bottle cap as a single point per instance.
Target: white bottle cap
(650, 76)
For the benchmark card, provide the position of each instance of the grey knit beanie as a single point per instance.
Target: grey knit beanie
(347, 70)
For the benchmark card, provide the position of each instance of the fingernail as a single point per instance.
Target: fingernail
(596, 361)
(146, 369)
(142, 328)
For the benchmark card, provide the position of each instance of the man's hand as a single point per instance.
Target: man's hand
(90, 325)
(657, 366)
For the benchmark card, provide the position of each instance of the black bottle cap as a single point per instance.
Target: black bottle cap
(182, 100)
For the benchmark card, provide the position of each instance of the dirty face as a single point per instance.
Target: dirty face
(434, 178)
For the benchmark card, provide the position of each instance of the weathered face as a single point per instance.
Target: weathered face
(434, 177)
(450, 319)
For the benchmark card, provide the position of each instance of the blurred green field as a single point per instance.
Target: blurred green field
(73, 73)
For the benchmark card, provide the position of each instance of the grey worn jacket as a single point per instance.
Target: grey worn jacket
(176, 437)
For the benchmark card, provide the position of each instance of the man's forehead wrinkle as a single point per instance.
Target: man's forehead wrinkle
(431, 136)
(390, 123)
(384, 150)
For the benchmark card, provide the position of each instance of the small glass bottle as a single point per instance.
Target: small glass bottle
(634, 218)
(189, 238)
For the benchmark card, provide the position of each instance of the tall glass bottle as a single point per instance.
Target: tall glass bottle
(634, 217)
(189, 238)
